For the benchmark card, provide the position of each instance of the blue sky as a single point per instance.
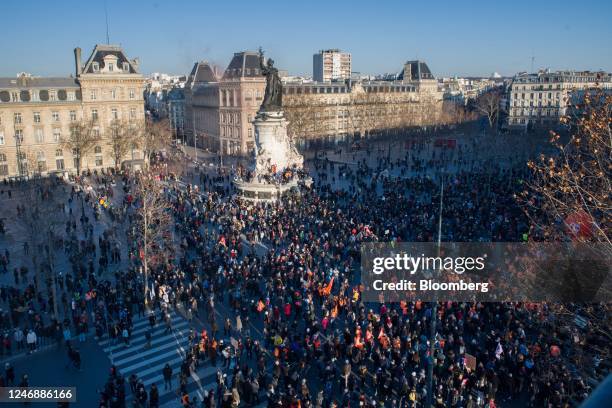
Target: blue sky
(454, 37)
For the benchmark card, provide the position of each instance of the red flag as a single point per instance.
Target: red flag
(579, 224)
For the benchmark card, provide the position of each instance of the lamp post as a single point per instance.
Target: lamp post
(20, 169)
(195, 145)
(434, 310)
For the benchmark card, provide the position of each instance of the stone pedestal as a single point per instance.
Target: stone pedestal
(274, 151)
(274, 154)
(253, 191)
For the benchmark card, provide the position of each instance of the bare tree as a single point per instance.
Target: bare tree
(570, 191)
(120, 140)
(153, 226)
(82, 138)
(154, 136)
(43, 218)
(488, 104)
(301, 118)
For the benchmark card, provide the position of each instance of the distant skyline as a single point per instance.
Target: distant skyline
(468, 38)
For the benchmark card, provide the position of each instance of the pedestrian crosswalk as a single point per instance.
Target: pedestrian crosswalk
(166, 348)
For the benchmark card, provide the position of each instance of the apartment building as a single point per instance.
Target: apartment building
(37, 112)
(541, 99)
(331, 65)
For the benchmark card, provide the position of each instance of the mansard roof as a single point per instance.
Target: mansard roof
(38, 82)
(101, 51)
(201, 73)
(418, 70)
(244, 64)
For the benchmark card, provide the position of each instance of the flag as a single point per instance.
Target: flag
(326, 291)
(469, 361)
(499, 351)
(579, 224)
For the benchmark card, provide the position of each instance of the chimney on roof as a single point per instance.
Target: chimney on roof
(407, 72)
(135, 63)
(77, 61)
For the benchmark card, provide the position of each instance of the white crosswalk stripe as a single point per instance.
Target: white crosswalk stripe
(166, 348)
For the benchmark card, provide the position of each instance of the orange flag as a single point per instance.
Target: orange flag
(327, 289)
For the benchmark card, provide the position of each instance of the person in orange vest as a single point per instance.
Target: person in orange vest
(358, 341)
(185, 400)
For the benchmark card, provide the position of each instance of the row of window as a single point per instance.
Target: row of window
(523, 121)
(532, 112)
(93, 93)
(40, 155)
(238, 71)
(36, 95)
(95, 66)
(230, 118)
(231, 131)
(534, 87)
(550, 95)
(532, 103)
(41, 161)
(230, 97)
(55, 116)
(39, 136)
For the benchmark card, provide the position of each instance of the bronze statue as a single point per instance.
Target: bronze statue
(273, 98)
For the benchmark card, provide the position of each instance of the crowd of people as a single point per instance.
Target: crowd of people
(285, 276)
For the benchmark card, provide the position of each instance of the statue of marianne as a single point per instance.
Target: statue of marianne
(273, 98)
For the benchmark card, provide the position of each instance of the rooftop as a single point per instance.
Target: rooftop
(37, 82)
(415, 71)
(101, 51)
(243, 64)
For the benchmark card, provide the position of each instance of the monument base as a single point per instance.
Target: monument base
(273, 147)
(256, 192)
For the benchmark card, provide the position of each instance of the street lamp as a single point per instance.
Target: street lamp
(434, 311)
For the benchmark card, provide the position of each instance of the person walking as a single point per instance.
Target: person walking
(76, 359)
(31, 340)
(9, 374)
(148, 335)
(126, 336)
(19, 338)
(239, 325)
(153, 396)
(133, 380)
(167, 372)
(67, 335)
(168, 324)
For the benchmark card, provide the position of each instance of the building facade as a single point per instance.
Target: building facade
(462, 90)
(36, 114)
(202, 106)
(320, 110)
(219, 110)
(175, 101)
(157, 89)
(540, 100)
(331, 65)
